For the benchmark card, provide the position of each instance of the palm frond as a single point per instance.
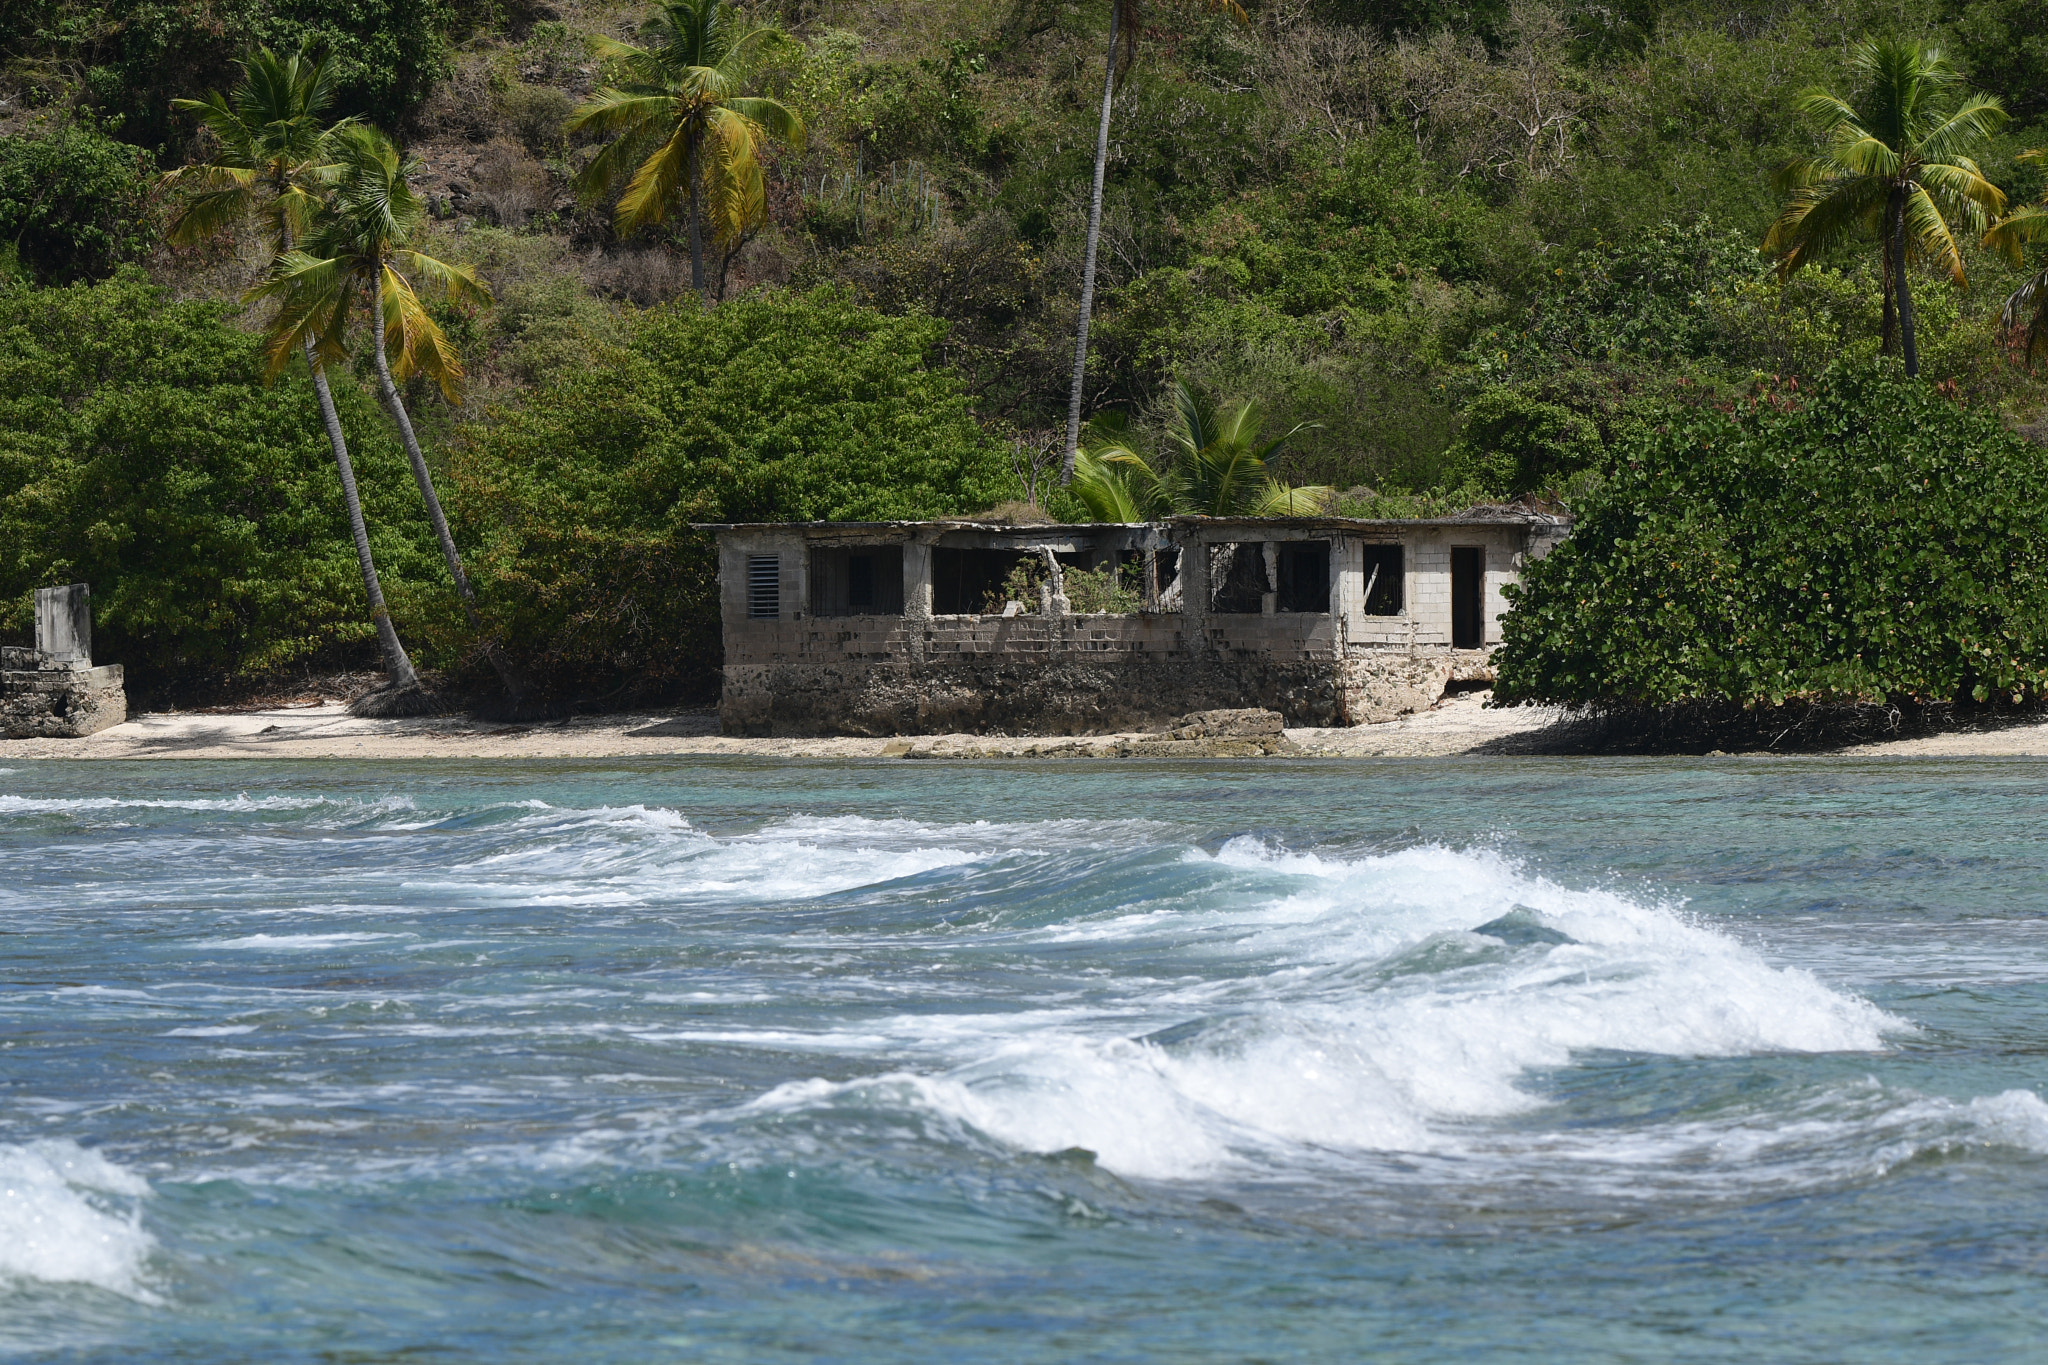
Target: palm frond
(1979, 117)
(771, 117)
(1961, 191)
(1817, 218)
(1281, 500)
(2017, 231)
(655, 185)
(612, 110)
(1928, 233)
(1830, 112)
(616, 161)
(2023, 321)
(311, 292)
(456, 283)
(209, 213)
(413, 339)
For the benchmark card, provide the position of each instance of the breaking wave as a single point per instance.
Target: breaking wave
(1386, 1003)
(70, 1216)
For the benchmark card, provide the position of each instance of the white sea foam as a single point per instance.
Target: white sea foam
(241, 804)
(1368, 1017)
(70, 1216)
(296, 943)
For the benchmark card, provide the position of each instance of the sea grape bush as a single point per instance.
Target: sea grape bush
(1858, 541)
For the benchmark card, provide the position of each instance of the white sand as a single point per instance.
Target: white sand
(1460, 725)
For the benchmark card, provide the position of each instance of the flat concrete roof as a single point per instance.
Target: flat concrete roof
(1478, 516)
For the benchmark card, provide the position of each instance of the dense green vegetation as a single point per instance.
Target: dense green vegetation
(1854, 545)
(141, 451)
(1487, 248)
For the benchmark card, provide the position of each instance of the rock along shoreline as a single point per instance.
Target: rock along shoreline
(1461, 726)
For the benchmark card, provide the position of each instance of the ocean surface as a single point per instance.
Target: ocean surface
(1559, 1060)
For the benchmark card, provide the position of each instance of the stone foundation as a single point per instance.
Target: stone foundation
(53, 703)
(1078, 692)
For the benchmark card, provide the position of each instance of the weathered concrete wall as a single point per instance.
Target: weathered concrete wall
(61, 703)
(1055, 674)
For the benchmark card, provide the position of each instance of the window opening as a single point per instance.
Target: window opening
(1384, 572)
(1468, 598)
(1304, 576)
(1237, 577)
(857, 580)
(962, 580)
(764, 586)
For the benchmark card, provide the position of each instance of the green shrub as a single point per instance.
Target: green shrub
(1088, 591)
(73, 202)
(1517, 443)
(141, 453)
(1870, 540)
(774, 407)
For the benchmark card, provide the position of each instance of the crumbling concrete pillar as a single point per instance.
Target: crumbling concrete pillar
(54, 692)
(64, 627)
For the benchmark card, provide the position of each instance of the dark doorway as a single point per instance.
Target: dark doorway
(1468, 598)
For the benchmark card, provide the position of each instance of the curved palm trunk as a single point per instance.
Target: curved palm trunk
(396, 406)
(397, 667)
(1088, 261)
(1903, 285)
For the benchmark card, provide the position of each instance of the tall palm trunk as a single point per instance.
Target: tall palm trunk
(696, 218)
(1903, 285)
(396, 407)
(397, 667)
(1888, 328)
(1088, 261)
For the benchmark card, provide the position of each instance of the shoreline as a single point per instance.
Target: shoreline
(1460, 726)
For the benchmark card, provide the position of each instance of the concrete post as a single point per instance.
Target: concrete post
(64, 627)
(917, 579)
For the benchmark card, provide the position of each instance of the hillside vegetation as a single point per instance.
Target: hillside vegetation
(1482, 244)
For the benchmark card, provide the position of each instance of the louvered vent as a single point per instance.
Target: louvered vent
(764, 586)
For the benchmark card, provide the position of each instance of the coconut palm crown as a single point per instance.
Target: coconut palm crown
(1894, 167)
(1220, 466)
(2024, 319)
(359, 247)
(682, 133)
(271, 153)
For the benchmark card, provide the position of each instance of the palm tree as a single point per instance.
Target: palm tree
(1220, 468)
(358, 246)
(1126, 22)
(682, 128)
(2024, 319)
(1113, 480)
(1894, 168)
(271, 157)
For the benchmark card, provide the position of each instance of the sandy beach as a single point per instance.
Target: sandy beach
(1461, 725)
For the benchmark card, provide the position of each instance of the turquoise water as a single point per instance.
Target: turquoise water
(756, 1062)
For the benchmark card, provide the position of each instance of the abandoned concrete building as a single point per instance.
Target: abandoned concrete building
(899, 628)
